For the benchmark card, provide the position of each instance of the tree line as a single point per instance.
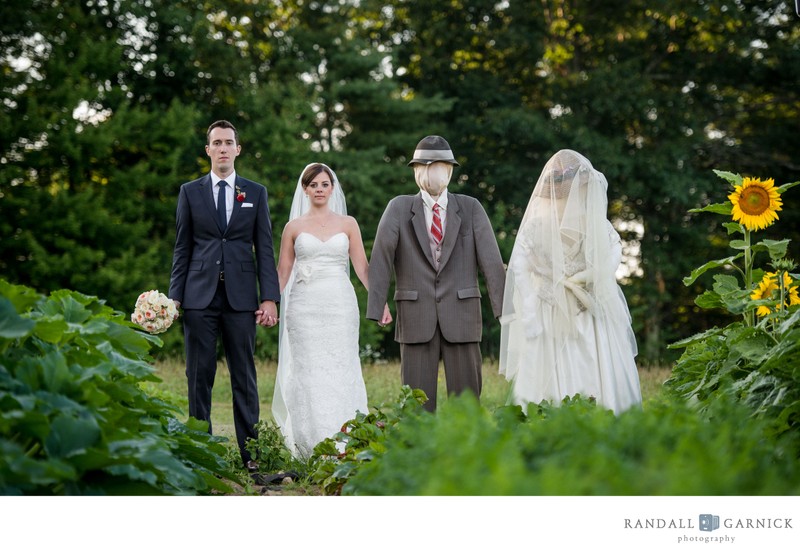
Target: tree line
(105, 104)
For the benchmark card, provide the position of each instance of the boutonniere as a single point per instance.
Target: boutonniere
(240, 196)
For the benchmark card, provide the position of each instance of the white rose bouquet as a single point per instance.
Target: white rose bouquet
(154, 312)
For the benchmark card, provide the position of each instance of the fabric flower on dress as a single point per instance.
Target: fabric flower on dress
(303, 272)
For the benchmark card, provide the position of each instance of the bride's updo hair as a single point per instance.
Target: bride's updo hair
(312, 171)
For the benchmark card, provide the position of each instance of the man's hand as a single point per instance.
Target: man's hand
(267, 313)
(386, 319)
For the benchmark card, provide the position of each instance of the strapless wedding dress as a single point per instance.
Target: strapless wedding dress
(319, 385)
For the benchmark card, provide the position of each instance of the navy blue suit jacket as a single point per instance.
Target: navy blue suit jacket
(245, 246)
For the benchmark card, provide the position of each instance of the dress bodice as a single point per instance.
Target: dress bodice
(315, 257)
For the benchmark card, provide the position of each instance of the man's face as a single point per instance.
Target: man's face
(433, 178)
(222, 150)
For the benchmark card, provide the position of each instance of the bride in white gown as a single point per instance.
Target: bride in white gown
(319, 385)
(566, 328)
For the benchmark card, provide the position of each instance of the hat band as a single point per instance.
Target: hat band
(434, 154)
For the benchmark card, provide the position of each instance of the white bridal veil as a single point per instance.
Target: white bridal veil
(300, 206)
(563, 263)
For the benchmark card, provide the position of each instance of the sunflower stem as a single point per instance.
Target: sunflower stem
(748, 275)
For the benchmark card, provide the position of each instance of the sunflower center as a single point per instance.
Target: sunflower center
(754, 200)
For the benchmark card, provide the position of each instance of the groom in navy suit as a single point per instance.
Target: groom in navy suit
(224, 278)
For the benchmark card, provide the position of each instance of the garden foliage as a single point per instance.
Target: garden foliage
(270, 447)
(75, 418)
(755, 359)
(578, 449)
(361, 440)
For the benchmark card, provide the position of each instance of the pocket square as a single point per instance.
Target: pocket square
(247, 205)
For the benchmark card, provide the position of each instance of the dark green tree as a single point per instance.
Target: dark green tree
(105, 106)
(655, 94)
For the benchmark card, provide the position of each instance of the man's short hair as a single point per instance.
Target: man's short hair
(222, 124)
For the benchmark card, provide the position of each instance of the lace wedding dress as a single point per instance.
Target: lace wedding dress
(320, 385)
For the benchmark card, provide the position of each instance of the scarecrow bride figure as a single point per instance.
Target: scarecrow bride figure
(566, 328)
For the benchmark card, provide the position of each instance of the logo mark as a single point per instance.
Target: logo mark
(709, 522)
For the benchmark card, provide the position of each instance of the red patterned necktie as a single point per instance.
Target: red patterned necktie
(436, 225)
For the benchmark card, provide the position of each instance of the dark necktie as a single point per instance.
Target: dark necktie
(222, 211)
(436, 225)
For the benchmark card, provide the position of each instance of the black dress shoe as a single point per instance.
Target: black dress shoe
(251, 466)
(278, 478)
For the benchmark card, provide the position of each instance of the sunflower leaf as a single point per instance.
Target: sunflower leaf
(709, 299)
(710, 265)
(777, 248)
(733, 178)
(725, 284)
(733, 228)
(721, 208)
(784, 187)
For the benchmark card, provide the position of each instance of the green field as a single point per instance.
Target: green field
(382, 381)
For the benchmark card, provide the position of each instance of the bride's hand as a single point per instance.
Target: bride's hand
(267, 314)
(387, 316)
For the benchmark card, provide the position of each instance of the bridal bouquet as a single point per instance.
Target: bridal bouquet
(154, 312)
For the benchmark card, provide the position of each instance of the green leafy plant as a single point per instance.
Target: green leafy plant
(578, 448)
(270, 447)
(74, 417)
(361, 439)
(756, 358)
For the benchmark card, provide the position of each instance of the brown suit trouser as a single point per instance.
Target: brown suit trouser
(419, 366)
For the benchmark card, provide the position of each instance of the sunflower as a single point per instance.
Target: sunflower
(794, 298)
(756, 203)
(769, 287)
(764, 291)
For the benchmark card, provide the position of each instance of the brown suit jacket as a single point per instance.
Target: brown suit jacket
(425, 296)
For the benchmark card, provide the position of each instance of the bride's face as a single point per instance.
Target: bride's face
(320, 189)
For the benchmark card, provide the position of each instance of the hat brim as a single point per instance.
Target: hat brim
(431, 161)
(423, 156)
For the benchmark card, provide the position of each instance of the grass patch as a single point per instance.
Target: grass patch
(381, 379)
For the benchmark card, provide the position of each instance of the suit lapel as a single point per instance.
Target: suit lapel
(420, 228)
(236, 205)
(208, 196)
(452, 227)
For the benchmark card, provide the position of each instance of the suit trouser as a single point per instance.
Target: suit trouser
(419, 366)
(238, 330)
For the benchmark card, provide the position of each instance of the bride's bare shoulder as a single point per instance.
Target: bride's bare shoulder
(348, 224)
(348, 220)
(295, 226)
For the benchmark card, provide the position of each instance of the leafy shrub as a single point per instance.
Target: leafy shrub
(362, 439)
(578, 449)
(74, 418)
(756, 359)
(270, 447)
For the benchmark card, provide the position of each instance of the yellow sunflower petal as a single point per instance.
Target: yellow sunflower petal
(765, 288)
(794, 298)
(756, 203)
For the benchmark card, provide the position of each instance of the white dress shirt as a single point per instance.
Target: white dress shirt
(229, 191)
